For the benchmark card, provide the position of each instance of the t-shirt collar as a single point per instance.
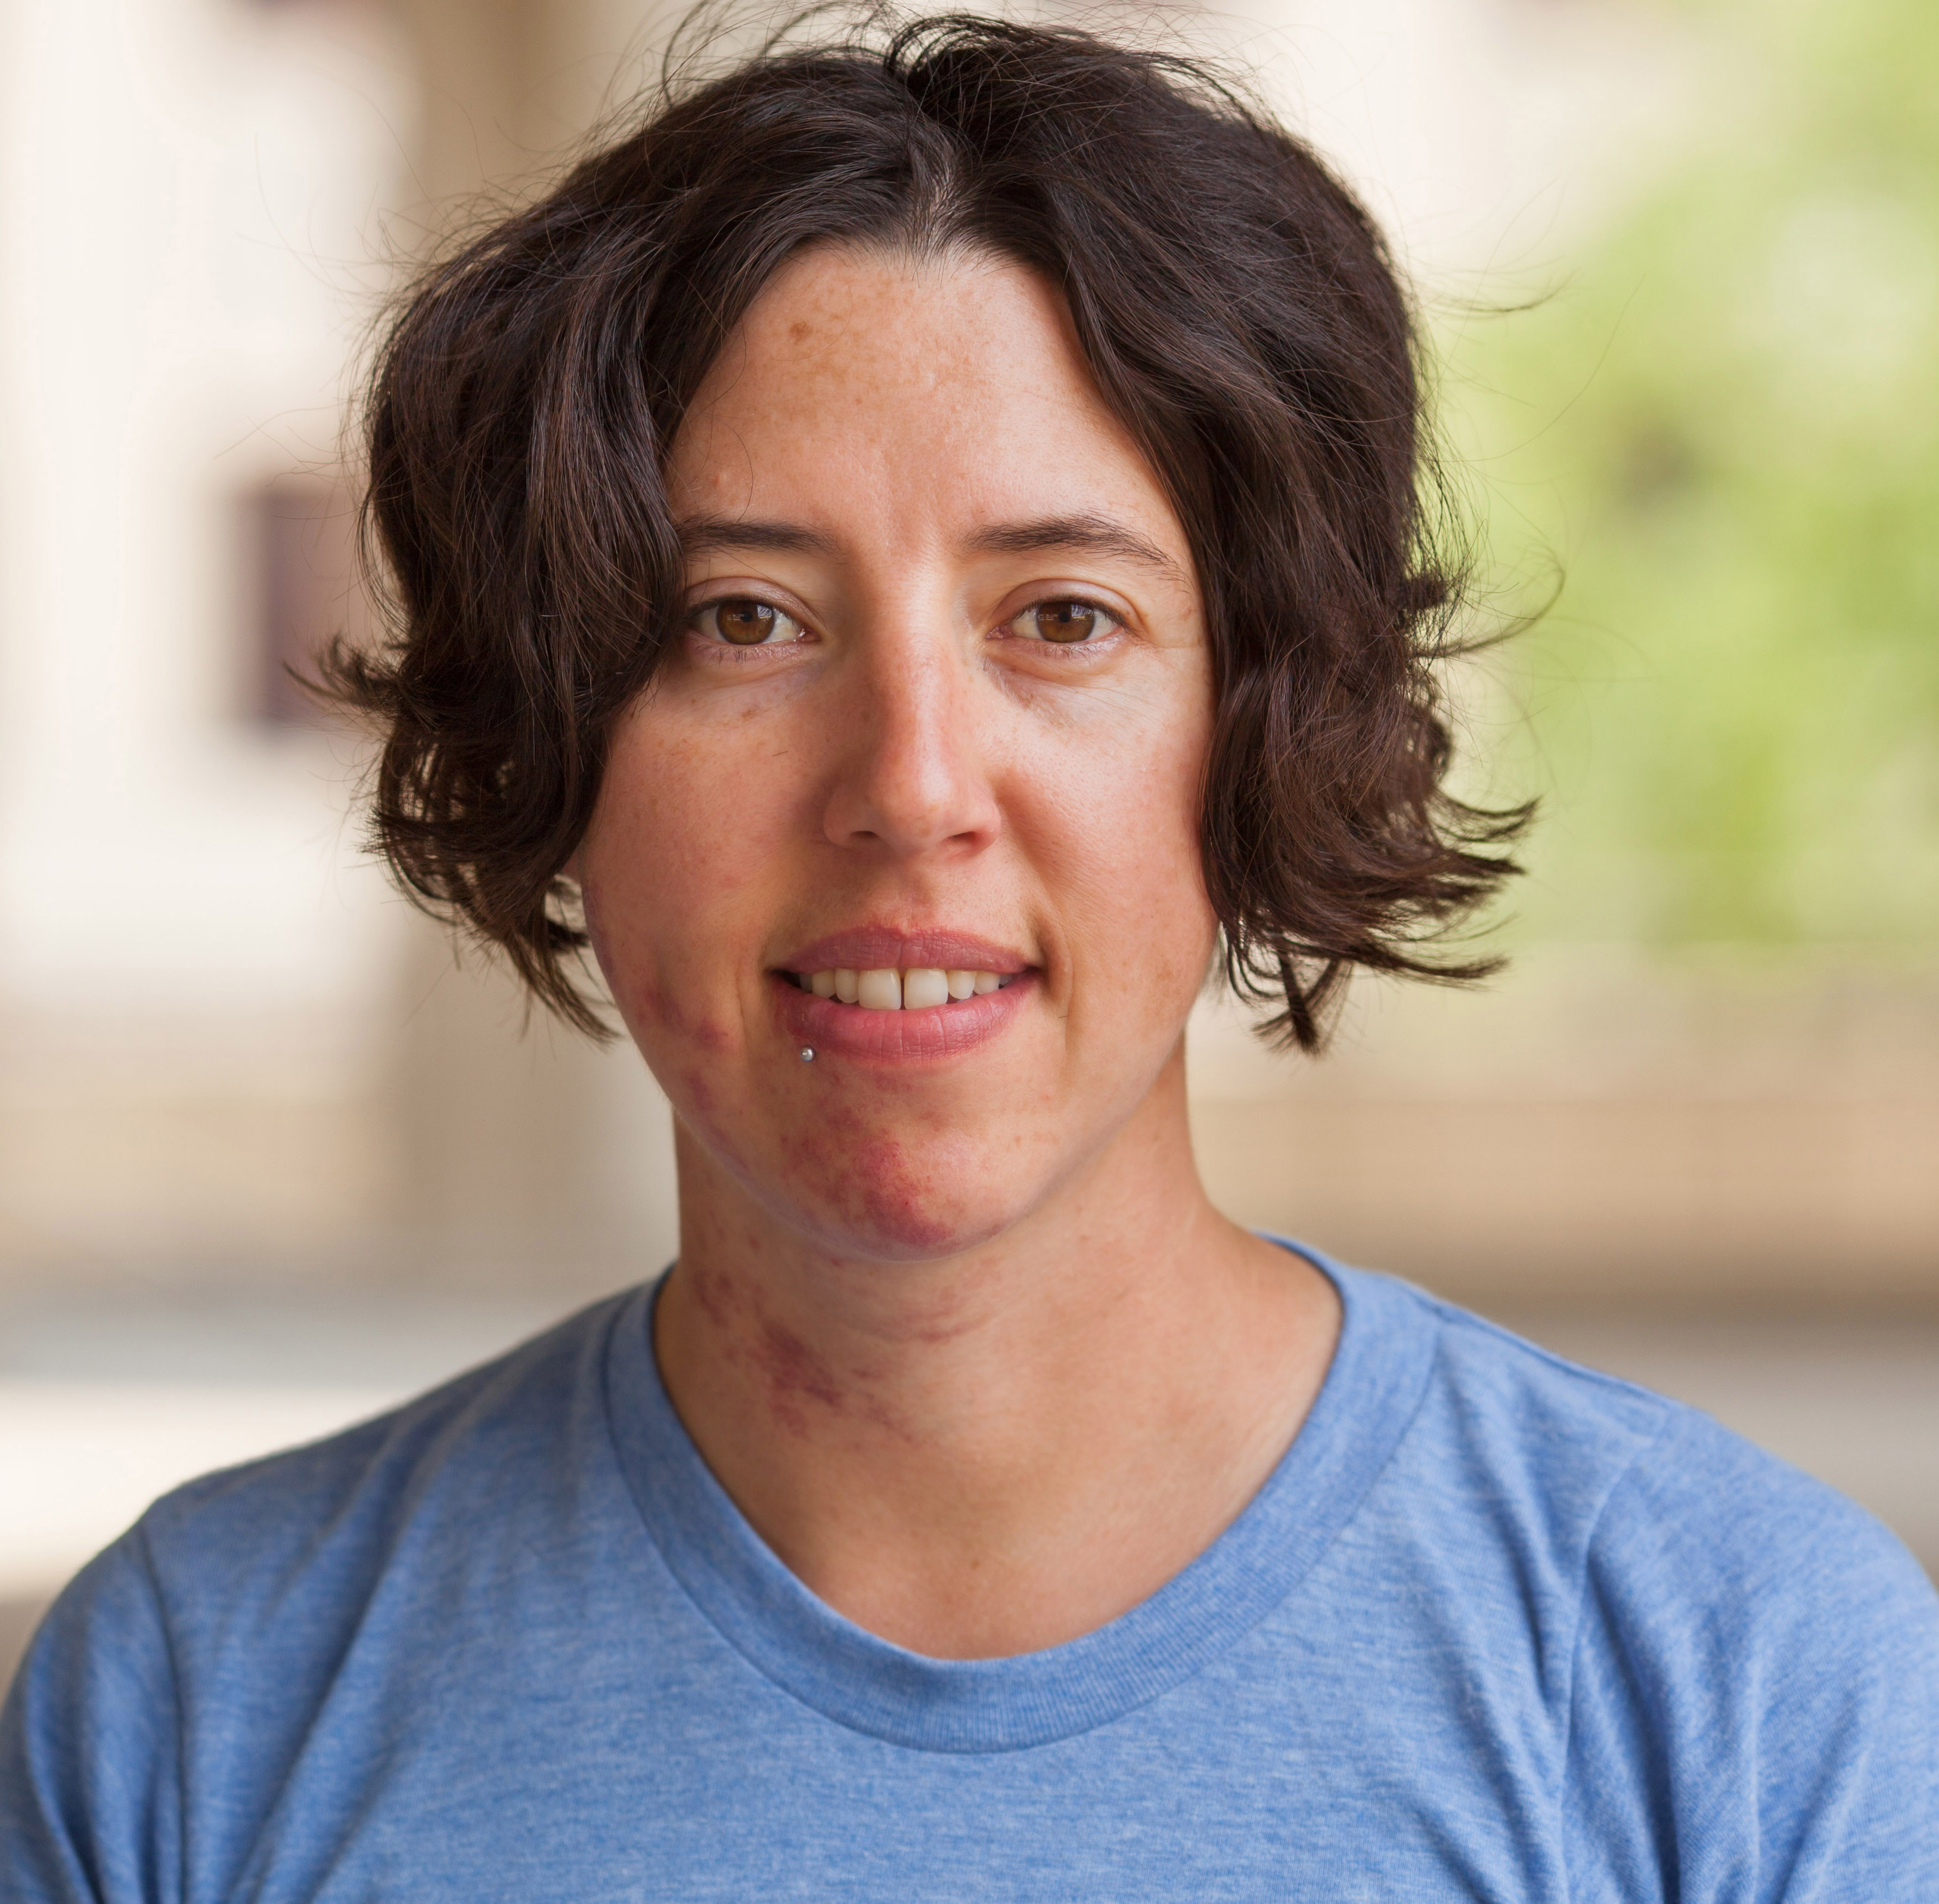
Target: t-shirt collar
(1374, 1384)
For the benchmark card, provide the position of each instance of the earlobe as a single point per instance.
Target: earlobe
(572, 873)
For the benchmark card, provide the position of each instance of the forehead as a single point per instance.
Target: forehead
(950, 388)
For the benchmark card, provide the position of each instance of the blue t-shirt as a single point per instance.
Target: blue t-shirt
(1495, 1627)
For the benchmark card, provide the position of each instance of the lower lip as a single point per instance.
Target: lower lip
(825, 1025)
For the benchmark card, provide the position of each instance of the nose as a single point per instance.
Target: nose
(912, 775)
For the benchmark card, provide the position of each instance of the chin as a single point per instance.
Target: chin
(896, 1202)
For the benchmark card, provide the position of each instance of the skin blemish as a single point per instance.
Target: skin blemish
(876, 1185)
(792, 1376)
(900, 1202)
(717, 1298)
(939, 1333)
(794, 1373)
(879, 1417)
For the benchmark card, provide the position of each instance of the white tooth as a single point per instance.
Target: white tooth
(987, 981)
(962, 984)
(846, 985)
(824, 986)
(879, 992)
(923, 986)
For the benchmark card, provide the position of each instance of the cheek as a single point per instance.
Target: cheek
(671, 871)
(1127, 818)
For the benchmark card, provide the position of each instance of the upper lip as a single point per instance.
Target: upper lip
(882, 948)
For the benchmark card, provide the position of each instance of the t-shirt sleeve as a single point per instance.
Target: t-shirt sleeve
(90, 1767)
(1755, 1716)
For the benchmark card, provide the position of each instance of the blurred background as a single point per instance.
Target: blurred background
(271, 1157)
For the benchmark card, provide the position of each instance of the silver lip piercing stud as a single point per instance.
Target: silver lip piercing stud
(807, 1055)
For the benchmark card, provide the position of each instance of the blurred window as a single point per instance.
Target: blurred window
(300, 534)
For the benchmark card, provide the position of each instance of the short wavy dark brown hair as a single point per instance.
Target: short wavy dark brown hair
(1240, 313)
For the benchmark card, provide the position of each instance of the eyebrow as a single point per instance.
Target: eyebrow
(700, 535)
(1096, 535)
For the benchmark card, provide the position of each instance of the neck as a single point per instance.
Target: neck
(993, 1451)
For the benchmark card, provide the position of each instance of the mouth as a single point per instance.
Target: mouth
(897, 997)
(919, 988)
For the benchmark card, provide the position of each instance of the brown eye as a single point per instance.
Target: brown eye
(745, 622)
(1069, 621)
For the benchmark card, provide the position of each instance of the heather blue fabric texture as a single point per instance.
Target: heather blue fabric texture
(1495, 1628)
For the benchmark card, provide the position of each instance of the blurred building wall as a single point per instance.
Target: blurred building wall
(226, 1050)
(1599, 1126)
(188, 965)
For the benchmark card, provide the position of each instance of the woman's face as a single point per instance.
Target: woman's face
(941, 705)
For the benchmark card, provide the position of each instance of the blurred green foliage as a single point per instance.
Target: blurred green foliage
(1720, 427)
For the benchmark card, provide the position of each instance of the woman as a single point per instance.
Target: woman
(918, 549)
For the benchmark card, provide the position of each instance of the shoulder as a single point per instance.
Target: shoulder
(1756, 1678)
(1658, 1489)
(1675, 1509)
(237, 1600)
(205, 1641)
(1745, 1663)
(1702, 1511)
(510, 1409)
(290, 1547)
(1739, 1600)
(1500, 1381)
(1687, 1515)
(90, 1776)
(1504, 1434)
